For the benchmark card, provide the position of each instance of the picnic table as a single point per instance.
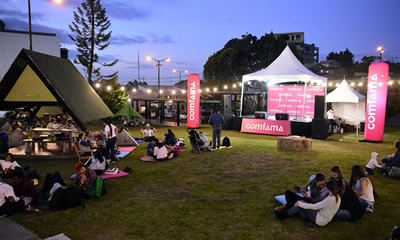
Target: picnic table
(47, 135)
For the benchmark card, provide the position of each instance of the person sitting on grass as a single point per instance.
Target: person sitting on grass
(23, 186)
(320, 213)
(8, 164)
(150, 147)
(88, 180)
(363, 187)
(170, 138)
(9, 202)
(392, 160)
(373, 163)
(149, 134)
(160, 152)
(336, 174)
(204, 139)
(350, 207)
(315, 191)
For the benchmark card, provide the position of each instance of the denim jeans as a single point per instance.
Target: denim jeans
(342, 214)
(216, 138)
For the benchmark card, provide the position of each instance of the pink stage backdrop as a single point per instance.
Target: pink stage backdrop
(193, 101)
(376, 101)
(270, 127)
(289, 99)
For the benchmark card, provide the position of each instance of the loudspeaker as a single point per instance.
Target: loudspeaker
(237, 123)
(228, 125)
(319, 128)
(261, 115)
(281, 116)
(319, 106)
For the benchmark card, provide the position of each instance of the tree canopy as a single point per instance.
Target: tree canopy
(242, 56)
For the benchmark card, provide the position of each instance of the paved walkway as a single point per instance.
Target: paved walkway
(13, 231)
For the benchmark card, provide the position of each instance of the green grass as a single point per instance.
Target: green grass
(227, 194)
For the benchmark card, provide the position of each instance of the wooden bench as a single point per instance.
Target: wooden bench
(30, 144)
(294, 143)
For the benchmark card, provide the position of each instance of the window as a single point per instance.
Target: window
(297, 37)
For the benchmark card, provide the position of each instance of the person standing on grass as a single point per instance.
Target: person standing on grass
(111, 132)
(216, 121)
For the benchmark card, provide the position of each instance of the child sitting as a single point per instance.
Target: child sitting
(373, 163)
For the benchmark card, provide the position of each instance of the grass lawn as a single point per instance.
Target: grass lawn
(226, 194)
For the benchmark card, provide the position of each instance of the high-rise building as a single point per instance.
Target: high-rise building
(309, 52)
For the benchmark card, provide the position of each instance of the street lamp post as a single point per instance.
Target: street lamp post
(380, 50)
(30, 25)
(149, 58)
(180, 73)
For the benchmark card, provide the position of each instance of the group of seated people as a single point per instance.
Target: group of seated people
(17, 191)
(58, 124)
(322, 201)
(387, 163)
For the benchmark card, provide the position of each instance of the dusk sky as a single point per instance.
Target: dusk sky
(190, 31)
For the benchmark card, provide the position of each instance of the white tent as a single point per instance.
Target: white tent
(286, 68)
(347, 103)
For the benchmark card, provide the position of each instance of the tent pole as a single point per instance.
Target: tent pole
(241, 99)
(326, 92)
(304, 98)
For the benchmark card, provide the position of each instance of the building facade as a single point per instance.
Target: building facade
(309, 52)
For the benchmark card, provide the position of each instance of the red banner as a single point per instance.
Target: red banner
(193, 101)
(378, 74)
(270, 127)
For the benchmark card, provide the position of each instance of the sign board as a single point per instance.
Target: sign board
(378, 74)
(290, 99)
(270, 127)
(193, 101)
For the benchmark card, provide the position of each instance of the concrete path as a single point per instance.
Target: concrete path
(13, 231)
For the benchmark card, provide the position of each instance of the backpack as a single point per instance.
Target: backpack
(226, 142)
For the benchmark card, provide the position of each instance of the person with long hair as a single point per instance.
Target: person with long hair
(337, 175)
(111, 132)
(170, 138)
(363, 187)
(392, 160)
(8, 163)
(160, 152)
(320, 213)
(350, 207)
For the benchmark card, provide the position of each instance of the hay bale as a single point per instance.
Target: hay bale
(294, 143)
(16, 137)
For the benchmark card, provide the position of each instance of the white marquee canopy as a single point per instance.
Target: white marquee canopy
(286, 68)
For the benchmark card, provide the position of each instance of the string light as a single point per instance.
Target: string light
(183, 91)
(134, 90)
(207, 89)
(330, 84)
(360, 84)
(352, 84)
(234, 85)
(390, 82)
(129, 100)
(240, 84)
(337, 84)
(199, 90)
(97, 85)
(109, 88)
(161, 91)
(173, 92)
(225, 87)
(122, 88)
(215, 89)
(148, 90)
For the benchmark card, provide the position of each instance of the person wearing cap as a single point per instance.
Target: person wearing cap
(88, 180)
(148, 133)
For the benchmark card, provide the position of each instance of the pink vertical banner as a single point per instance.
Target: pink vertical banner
(193, 101)
(378, 74)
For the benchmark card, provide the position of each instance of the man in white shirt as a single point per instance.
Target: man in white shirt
(9, 203)
(331, 118)
(148, 133)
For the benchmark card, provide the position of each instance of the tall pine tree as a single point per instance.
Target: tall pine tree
(90, 27)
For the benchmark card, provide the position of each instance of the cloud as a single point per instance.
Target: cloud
(160, 39)
(125, 40)
(122, 11)
(16, 24)
(18, 14)
(115, 9)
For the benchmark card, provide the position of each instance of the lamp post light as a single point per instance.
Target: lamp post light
(30, 21)
(149, 58)
(380, 50)
(180, 73)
